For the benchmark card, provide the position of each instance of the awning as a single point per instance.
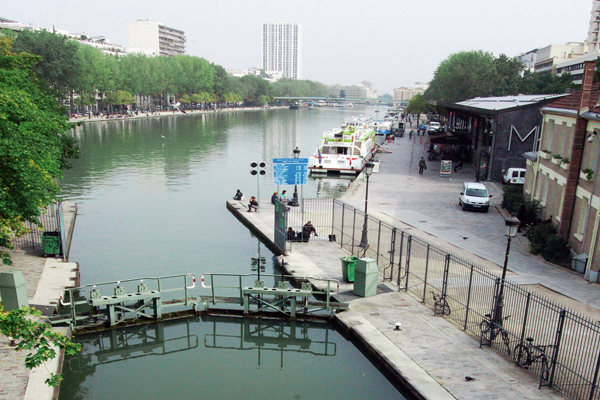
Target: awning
(448, 138)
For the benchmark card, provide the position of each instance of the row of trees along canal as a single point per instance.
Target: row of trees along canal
(85, 76)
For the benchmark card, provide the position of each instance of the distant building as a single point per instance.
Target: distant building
(154, 38)
(403, 94)
(528, 59)
(271, 76)
(548, 57)
(282, 48)
(352, 91)
(15, 26)
(99, 42)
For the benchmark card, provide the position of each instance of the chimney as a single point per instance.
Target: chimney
(576, 151)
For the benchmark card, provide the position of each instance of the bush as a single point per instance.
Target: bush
(539, 236)
(512, 201)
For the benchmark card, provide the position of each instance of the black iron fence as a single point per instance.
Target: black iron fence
(50, 222)
(565, 350)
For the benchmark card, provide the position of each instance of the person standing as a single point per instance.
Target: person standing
(422, 165)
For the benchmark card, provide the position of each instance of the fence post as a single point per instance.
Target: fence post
(378, 242)
(392, 252)
(525, 316)
(445, 279)
(557, 340)
(425, 277)
(353, 229)
(332, 216)
(400, 257)
(408, 247)
(342, 232)
(468, 298)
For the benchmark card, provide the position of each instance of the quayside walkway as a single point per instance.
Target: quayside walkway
(429, 353)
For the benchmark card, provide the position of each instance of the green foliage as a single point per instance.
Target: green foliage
(589, 173)
(565, 160)
(417, 105)
(544, 240)
(38, 339)
(33, 145)
(539, 236)
(557, 156)
(470, 74)
(512, 200)
(119, 98)
(304, 88)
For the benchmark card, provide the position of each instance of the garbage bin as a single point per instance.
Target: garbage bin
(348, 264)
(13, 290)
(365, 277)
(51, 242)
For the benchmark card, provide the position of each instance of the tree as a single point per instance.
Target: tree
(38, 339)
(546, 83)
(463, 76)
(34, 147)
(417, 105)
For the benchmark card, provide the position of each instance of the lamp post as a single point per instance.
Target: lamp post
(512, 225)
(364, 241)
(295, 196)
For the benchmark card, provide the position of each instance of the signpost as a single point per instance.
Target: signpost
(290, 171)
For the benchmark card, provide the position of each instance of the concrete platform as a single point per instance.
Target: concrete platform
(430, 353)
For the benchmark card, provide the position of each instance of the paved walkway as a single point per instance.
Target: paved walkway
(45, 278)
(430, 353)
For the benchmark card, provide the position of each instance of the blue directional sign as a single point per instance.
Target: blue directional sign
(290, 171)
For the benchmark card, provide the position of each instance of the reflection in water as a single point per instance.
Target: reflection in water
(237, 358)
(280, 336)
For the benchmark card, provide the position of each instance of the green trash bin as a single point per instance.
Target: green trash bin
(51, 243)
(348, 265)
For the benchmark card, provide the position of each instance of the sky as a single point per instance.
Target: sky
(392, 43)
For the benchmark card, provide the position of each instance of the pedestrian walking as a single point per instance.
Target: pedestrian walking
(422, 165)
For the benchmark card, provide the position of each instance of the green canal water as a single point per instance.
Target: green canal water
(151, 196)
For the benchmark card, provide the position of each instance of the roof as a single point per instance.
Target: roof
(507, 102)
(571, 101)
(531, 155)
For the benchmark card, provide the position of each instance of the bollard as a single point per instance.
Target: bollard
(13, 290)
(421, 139)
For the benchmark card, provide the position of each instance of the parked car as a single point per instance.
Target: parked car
(434, 126)
(474, 196)
(515, 176)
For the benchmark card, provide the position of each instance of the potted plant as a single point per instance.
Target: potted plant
(556, 159)
(545, 154)
(587, 174)
(564, 163)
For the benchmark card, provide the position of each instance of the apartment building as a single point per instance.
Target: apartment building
(563, 174)
(154, 38)
(282, 48)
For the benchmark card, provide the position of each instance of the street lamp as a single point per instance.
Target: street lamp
(295, 196)
(364, 241)
(512, 225)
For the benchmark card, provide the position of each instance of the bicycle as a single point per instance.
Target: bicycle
(527, 354)
(440, 305)
(491, 329)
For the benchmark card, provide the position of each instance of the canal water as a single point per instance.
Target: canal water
(151, 196)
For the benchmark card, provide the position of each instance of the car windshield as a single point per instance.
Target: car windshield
(477, 192)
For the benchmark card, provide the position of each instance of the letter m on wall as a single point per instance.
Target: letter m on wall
(536, 136)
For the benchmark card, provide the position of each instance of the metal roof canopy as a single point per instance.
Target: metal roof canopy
(497, 105)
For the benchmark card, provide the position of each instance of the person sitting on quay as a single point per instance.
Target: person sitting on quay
(253, 204)
(274, 198)
(238, 195)
(307, 229)
(283, 196)
(291, 235)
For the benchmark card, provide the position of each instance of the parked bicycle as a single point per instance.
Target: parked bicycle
(440, 305)
(490, 330)
(527, 354)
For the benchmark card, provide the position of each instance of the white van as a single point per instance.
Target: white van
(514, 176)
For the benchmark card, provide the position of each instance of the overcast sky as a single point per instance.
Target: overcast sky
(392, 43)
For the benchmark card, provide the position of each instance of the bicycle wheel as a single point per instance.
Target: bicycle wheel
(446, 308)
(521, 355)
(544, 369)
(437, 307)
(486, 330)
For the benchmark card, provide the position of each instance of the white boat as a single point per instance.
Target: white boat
(344, 150)
(382, 127)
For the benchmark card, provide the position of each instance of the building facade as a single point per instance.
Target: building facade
(154, 38)
(282, 48)
(563, 174)
(403, 94)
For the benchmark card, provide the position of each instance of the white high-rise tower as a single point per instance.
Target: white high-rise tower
(282, 48)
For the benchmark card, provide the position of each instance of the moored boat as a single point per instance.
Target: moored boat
(344, 150)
